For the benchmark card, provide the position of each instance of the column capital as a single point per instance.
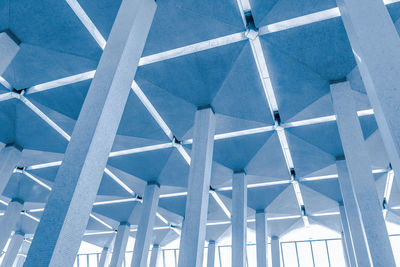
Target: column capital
(156, 245)
(211, 242)
(239, 171)
(208, 106)
(260, 211)
(274, 237)
(153, 183)
(340, 80)
(16, 199)
(12, 36)
(20, 148)
(340, 157)
(125, 223)
(19, 232)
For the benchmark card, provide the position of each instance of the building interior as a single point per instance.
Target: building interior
(199, 133)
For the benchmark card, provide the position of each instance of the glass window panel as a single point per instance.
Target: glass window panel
(336, 256)
(251, 255)
(169, 258)
(320, 254)
(395, 241)
(226, 257)
(304, 254)
(289, 254)
(92, 260)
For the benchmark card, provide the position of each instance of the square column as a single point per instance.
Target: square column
(351, 216)
(9, 159)
(154, 255)
(376, 45)
(8, 50)
(13, 249)
(66, 215)
(19, 261)
(120, 242)
(275, 251)
(103, 257)
(146, 223)
(261, 238)
(346, 238)
(239, 219)
(194, 228)
(211, 253)
(362, 182)
(9, 220)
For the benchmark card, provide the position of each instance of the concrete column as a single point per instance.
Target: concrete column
(211, 253)
(9, 220)
(65, 217)
(103, 257)
(154, 255)
(146, 223)
(8, 50)
(13, 248)
(362, 182)
(239, 219)
(120, 242)
(19, 262)
(275, 252)
(346, 238)
(261, 238)
(376, 46)
(9, 159)
(194, 230)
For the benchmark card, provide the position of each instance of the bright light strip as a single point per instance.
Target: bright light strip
(38, 112)
(6, 96)
(5, 83)
(30, 216)
(218, 223)
(300, 21)
(325, 214)
(100, 221)
(61, 82)
(116, 201)
(83, 17)
(184, 154)
(322, 177)
(44, 165)
(309, 121)
(140, 150)
(264, 73)
(3, 202)
(162, 218)
(193, 48)
(365, 112)
(221, 203)
(151, 109)
(176, 230)
(36, 210)
(285, 148)
(375, 171)
(173, 195)
(118, 181)
(268, 184)
(154, 229)
(389, 184)
(36, 180)
(306, 221)
(283, 217)
(297, 190)
(99, 233)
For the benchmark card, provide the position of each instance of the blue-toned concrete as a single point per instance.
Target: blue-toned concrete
(9, 220)
(67, 212)
(13, 249)
(261, 238)
(239, 219)
(119, 248)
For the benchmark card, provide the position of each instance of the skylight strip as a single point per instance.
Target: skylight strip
(100, 221)
(365, 112)
(321, 177)
(325, 214)
(300, 21)
(176, 229)
(259, 58)
(44, 165)
(154, 113)
(184, 154)
(116, 201)
(6, 96)
(87, 22)
(193, 48)
(30, 216)
(162, 218)
(285, 148)
(297, 190)
(3, 202)
(388, 186)
(118, 181)
(244, 132)
(99, 233)
(36, 180)
(283, 217)
(140, 149)
(5, 83)
(268, 184)
(173, 194)
(50, 122)
(221, 203)
(36, 210)
(309, 121)
(61, 82)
